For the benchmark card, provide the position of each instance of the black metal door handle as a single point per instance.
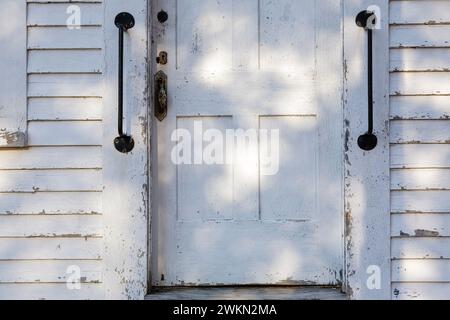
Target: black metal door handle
(365, 19)
(123, 143)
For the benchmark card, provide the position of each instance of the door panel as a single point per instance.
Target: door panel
(247, 165)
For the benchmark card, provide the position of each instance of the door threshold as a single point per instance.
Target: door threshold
(247, 293)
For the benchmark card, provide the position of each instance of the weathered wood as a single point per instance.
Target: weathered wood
(50, 291)
(48, 271)
(419, 12)
(419, 36)
(65, 108)
(55, 14)
(47, 226)
(420, 248)
(125, 176)
(421, 291)
(65, 61)
(420, 107)
(261, 293)
(420, 83)
(51, 158)
(51, 203)
(421, 270)
(420, 131)
(50, 248)
(420, 179)
(13, 88)
(64, 38)
(420, 156)
(70, 133)
(367, 221)
(420, 201)
(420, 225)
(50, 180)
(65, 85)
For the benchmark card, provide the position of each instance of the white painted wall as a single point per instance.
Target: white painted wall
(420, 148)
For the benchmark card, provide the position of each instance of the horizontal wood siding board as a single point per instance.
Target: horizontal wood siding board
(420, 107)
(49, 271)
(420, 59)
(51, 203)
(52, 158)
(48, 226)
(430, 270)
(420, 179)
(432, 36)
(420, 225)
(65, 61)
(420, 83)
(420, 156)
(50, 180)
(420, 248)
(65, 85)
(419, 12)
(58, 14)
(420, 131)
(421, 291)
(64, 109)
(420, 201)
(50, 248)
(70, 133)
(50, 291)
(64, 38)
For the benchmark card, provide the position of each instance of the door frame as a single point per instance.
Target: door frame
(127, 178)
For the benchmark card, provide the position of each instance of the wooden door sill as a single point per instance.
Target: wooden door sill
(247, 293)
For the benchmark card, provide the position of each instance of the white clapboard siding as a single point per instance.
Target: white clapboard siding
(419, 36)
(64, 38)
(51, 192)
(432, 270)
(419, 12)
(420, 59)
(50, 180)
(47, 226)
(420, 225)
(50, 203)
(50, 248)
(50, 271)
(420, 179)
(51, 158)
(50, 291)
(420, 131)
(420, 201)
(64, 85)
(58, 14)
(64, 61)
(64, 108)
(421, 291)
(67, 133)
(420, 83)
(420, 248)
(420, 107)
(420, 156)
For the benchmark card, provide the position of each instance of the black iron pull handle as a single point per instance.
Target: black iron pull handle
(366, 19)
(124, 143)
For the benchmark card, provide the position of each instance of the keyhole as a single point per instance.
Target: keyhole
(162, 16)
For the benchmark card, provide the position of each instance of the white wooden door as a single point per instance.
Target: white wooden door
(271, 211)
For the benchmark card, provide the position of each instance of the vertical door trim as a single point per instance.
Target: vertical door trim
(125, 176)
(367, 180)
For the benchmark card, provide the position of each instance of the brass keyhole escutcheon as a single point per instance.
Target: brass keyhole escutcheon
(162, 58)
